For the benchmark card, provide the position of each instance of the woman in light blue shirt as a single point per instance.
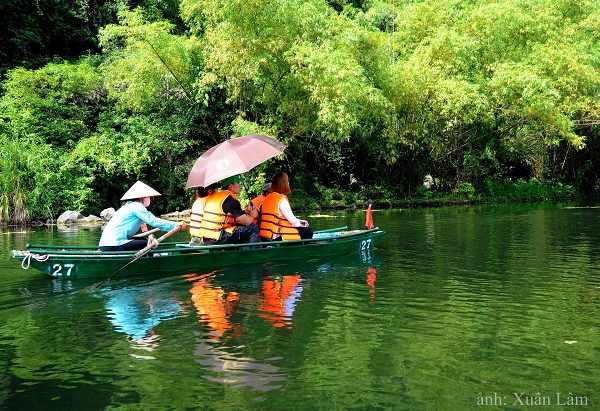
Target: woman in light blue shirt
(118, 233)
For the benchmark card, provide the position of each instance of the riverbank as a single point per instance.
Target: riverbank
(495, 192)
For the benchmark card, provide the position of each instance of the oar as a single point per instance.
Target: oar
(153, 244)
(146, 233)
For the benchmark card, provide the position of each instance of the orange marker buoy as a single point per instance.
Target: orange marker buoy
(369, 222)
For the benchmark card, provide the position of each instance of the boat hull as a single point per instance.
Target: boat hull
(79, 262)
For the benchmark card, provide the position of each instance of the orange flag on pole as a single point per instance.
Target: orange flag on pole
(369, 222)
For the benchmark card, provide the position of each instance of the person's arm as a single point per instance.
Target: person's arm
(286, 210)
(247, 219)
(241, 217)
(165, 225)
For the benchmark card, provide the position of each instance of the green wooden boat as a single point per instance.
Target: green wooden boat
(89, 262)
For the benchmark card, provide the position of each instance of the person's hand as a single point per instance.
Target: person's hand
(251, 210)
(182, 224)
(304, 223)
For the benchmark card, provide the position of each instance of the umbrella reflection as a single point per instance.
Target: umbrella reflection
(239, 372)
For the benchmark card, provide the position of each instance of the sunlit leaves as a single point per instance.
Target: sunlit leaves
(147, 64)
(528, 116)
(55, 103)
(295, 58)
(522, 70)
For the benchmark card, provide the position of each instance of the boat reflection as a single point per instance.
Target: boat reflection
(217, 312)
(225, 367)
(219, 304)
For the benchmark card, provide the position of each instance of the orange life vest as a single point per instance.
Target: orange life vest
(258, 202)
(213, 219)
(272, 223)
(196, 216)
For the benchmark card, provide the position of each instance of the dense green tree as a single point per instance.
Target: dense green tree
(33, 33)
(369, 97)
(294, 68)
(499, 82)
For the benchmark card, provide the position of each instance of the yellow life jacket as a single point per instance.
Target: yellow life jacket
(272, 223)
(213, 219)
(196, 216)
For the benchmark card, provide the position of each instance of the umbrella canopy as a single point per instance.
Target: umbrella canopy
(231, 157)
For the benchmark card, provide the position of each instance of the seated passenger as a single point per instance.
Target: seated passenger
(118, 233)
(278, 222)
(198, 211)
(258, 201)
(224, 221)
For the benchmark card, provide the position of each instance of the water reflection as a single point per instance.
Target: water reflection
(429, 227)
(218, 301)
(137, 311)
(278, 298)
(273, 295)
(371, 278)
(214, 305)
(228, 306)
(225, 367)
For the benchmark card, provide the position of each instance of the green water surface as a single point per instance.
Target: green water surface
(457, 309)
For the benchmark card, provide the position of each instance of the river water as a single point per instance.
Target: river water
(492, 307)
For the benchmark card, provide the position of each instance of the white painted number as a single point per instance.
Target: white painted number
(58, 270)
(365, 244)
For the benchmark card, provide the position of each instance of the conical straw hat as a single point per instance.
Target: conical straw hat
(139, 190)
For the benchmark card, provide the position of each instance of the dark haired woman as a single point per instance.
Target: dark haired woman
(278, 222)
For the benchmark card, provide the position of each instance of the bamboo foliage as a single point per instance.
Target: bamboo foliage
(365, 94)
(13, 201)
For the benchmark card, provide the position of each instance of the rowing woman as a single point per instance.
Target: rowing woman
(118, 233)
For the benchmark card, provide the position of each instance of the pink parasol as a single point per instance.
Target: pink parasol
(231, 157)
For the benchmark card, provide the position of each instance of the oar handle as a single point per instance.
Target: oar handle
(155, 242)
(146, 233)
